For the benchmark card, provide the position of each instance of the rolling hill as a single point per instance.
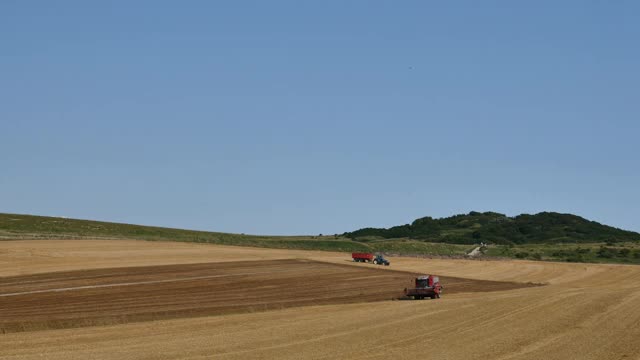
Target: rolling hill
(15, 227)
(543, 236)
(496, 228)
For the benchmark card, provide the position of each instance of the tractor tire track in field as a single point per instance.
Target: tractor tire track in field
(110, 296)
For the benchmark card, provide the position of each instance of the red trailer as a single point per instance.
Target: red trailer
(370, 258)
(426, 286)
(362, 257)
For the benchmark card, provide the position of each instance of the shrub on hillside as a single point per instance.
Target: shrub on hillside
(536, 256)
(606, 252)
(575, 258)
(624, 252)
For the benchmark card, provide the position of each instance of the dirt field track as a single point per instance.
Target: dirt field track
(584, 311)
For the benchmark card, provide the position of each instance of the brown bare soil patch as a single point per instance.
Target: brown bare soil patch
(121, 295)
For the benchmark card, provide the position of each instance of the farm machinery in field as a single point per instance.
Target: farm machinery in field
(425, 286)
(371, 258)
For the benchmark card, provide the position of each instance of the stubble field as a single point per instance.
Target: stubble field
(342, 310)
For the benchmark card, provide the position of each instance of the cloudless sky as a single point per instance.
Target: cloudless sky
(306, 117)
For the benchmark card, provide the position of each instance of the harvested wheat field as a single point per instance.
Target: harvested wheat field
(584, 311)
(121, 295)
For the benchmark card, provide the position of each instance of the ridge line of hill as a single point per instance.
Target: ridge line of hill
(495, 228)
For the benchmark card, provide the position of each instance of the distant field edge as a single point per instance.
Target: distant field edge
(32, 227)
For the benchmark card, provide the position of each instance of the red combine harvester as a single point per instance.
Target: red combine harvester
(368, 257)
(426, 286)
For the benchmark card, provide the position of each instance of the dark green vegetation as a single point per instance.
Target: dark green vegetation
(13, 227)
(495, 228)
(622, 253)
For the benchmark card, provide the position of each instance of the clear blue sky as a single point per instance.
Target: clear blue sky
(306, 117)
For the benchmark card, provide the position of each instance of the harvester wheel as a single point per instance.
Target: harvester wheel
(375, 262)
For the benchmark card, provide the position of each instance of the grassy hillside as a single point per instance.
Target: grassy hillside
(619, 252)
(490, 227)
(558, 248)
(14, 227)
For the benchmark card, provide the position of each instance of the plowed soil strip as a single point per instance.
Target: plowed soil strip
(110, 296)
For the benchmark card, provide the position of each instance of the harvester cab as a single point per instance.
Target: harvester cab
(427, 281)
